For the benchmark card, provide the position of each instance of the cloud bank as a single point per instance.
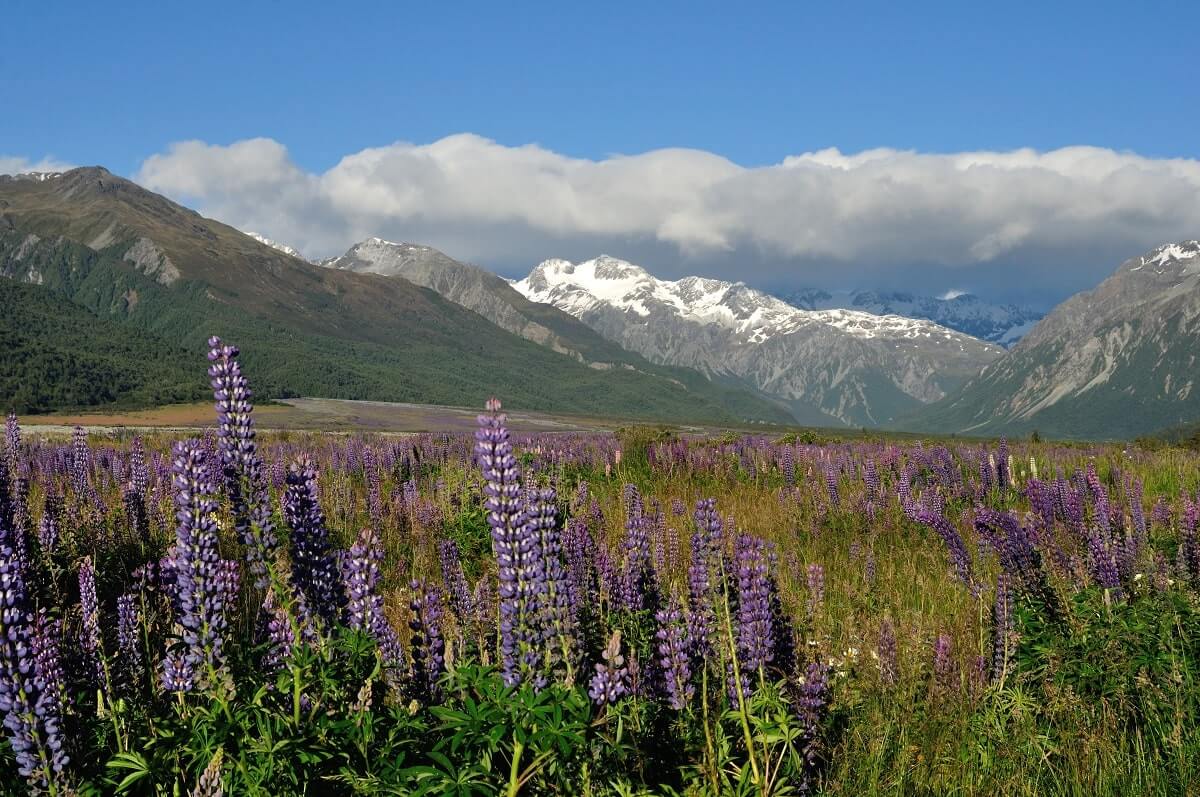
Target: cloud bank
(13, 164)
(1020, 224)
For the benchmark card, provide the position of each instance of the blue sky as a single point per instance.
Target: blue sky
(118, 83)
(115, 82)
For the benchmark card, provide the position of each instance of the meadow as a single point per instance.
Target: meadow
(625, 613)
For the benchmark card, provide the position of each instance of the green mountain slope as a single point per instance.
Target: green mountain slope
(136, 258)
(58, 354)
(1111, 363)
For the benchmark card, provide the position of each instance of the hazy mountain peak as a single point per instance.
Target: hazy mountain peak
(1004, 324)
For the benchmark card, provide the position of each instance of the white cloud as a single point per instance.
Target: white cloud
(13, 164)
(951, 294)
(1064, 217)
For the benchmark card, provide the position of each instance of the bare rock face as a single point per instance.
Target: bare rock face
(470, 286)
(152, 261)
(838, 365)
(1113, 362)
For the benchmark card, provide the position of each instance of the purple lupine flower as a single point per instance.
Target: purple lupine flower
(1189, 545)
(12, 439)
(889, 668)
(196, 563)
(178, 674)
(678, 508)
(755, 634)
(831, 485)
(557, 612)
(1003, 477)
(871, 479)
(1102, 560)
(611, 681)
(1160, 513)
(241, 466)
(364, 605)
(277, 632)
(47, 533)
(28, 700)
(374, 488)
(129, 621)
(812, 705)
(139, 476)
(462, 602)
(943, 665)
(314, 568)
(518, 565)
(673, 655)
(637, 575)
(815, 577)
(428, 648)
(703, 573)
(960, 558)
(135, 514)
(1002, 628)
(48, 708)
(1018, 556)
(93, 651)
(788, 465)
(209, 784)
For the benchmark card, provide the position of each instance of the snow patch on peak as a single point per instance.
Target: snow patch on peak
(751, 316)
(287, 250)
(1166, 253)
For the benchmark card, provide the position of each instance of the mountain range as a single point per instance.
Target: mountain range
(1004, 324)
(1113, 362)
(113, 289)
(832, 367)
(162, 278)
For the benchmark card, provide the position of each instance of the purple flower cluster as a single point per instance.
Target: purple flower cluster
(673, 655)
(364, 605)
(314, 568)
(242, 467)
(611, 680)
(89, 640)
(30, 677)
(755, 632)
(428, 648)
(517, 547)
(703, 576)
(198, 571)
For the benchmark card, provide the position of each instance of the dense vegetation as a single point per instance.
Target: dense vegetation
(629, 614)
(59, 355)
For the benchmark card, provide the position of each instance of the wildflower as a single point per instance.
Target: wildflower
(611, 681)
(673, 656)
(242, 467)
(314, 570)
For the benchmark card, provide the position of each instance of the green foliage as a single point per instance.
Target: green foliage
(60, 355)
(1139, 658)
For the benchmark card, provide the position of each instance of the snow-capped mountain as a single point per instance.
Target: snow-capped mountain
(853, 367)
(498, 301)
(1116, 361)
(287, 250)
(1000, 323)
